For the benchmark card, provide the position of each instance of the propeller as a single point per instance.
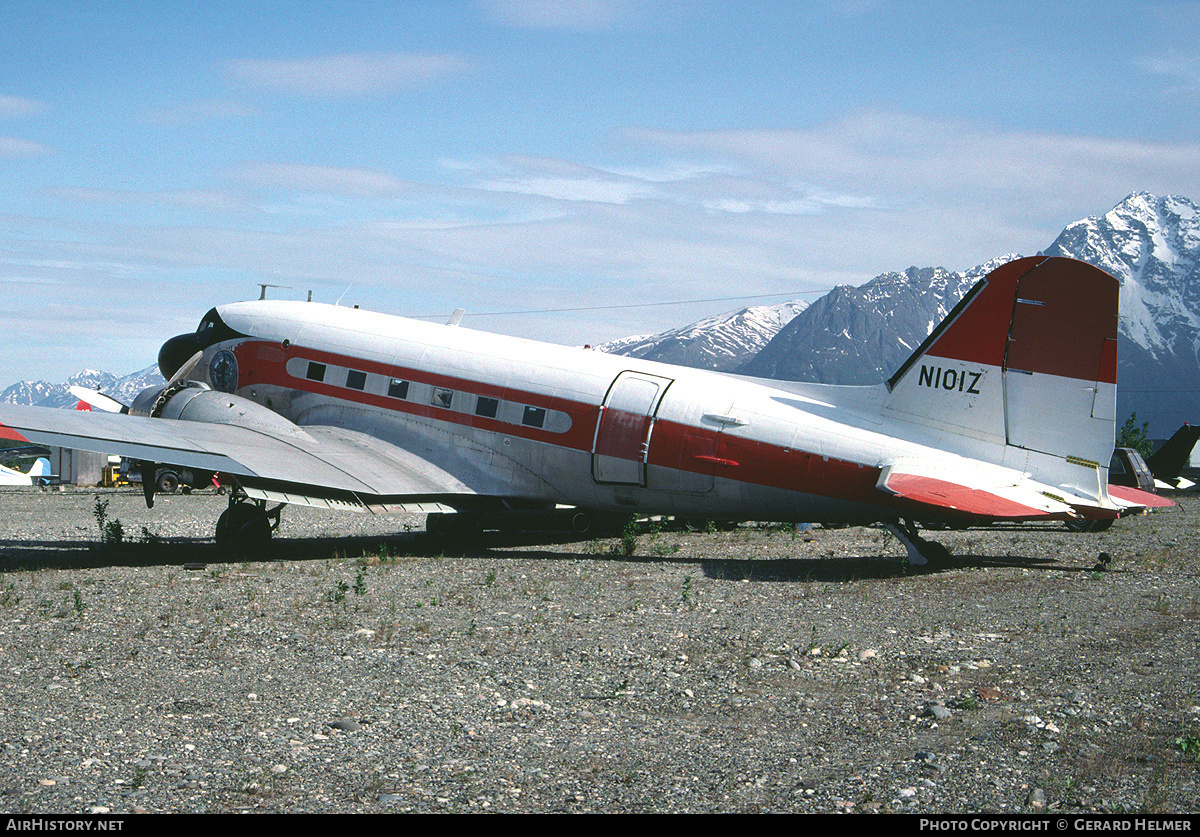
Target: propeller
(99, 400)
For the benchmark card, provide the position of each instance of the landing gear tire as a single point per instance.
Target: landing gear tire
(244, 529)
(167, 482)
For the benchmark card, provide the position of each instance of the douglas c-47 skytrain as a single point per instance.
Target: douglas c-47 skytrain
(1005, 413)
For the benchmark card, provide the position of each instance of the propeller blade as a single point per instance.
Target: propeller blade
(99, 400)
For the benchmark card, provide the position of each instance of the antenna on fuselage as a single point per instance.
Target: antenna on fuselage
(264, 286)
(456, 317)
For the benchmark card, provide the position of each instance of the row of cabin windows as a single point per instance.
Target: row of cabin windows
(484, 407)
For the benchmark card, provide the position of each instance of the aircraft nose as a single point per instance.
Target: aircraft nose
(176, 352)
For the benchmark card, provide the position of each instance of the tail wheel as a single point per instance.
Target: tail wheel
(1089, 525)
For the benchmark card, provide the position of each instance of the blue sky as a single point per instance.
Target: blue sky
(157, 158)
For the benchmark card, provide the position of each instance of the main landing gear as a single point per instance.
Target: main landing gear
(920, 551)
(245, 527)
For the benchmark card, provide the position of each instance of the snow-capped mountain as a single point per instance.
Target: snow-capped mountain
(1152, 245)
(723, 342)
(861, 335)
(43, 394)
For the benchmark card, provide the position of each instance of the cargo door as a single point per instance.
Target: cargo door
(623, 430)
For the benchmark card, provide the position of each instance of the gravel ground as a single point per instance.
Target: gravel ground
(365, 667)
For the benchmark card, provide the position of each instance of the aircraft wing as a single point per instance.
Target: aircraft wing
(317, 465)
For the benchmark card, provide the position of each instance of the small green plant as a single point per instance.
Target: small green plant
(1189, 743)
(360, 582)
(490, 580)
(685, 594)
(112, 532)
(629, 536)
(8, 598)
(812, 642)
(338, 594)
(1132, 436)
(79, 603)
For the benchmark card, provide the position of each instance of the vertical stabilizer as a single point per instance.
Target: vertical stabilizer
(1028, 359)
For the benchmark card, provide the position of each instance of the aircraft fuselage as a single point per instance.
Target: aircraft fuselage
(554, 424)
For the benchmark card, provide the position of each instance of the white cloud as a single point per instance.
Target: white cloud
(585, 15)
(362, 74)
(197, 113)
(355, 182)
(900, 160)
(14, 107)
(201, 199)
(13, 147)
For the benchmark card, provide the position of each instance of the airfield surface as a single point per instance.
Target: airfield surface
(363, 668)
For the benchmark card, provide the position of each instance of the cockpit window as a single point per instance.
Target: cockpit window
(212, 329)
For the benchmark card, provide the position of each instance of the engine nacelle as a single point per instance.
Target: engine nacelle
(194, 401)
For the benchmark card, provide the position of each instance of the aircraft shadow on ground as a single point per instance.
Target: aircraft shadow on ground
(24, 555)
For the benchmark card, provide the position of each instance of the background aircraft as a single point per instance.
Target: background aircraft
(38, 472)
(1006, 412)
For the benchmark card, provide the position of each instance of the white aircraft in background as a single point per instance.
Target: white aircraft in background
(39, 470)
(1005, 413)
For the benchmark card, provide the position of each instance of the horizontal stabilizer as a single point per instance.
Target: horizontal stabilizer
(1132, 499)
(989, 493)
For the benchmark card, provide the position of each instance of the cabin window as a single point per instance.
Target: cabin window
(397, 388)
(534, 417)
(356, 379)
(442, 397)
(316, 371)
(486, 407)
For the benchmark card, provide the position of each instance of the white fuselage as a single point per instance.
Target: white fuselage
(553, 424)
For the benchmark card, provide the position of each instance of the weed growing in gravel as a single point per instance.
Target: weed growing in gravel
(8, 598)
(360, 582)
(1189, 742)
(112, 532)
(338, 594)
(627, 546)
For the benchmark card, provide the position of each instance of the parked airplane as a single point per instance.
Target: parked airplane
(1005, 413)
(1167, 462)
(39, 470)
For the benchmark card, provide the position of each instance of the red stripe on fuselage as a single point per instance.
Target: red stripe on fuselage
(673, 445)
(266, 364)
